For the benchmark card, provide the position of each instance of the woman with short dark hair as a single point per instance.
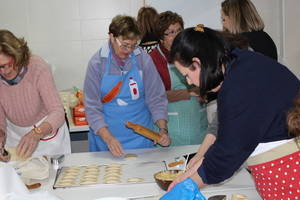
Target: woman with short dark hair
(122, 85)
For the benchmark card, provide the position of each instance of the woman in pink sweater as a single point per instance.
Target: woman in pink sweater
(31, 114)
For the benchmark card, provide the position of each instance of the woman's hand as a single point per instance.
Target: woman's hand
(115, 146)
(165, 140)
(28, 144)
(112, 143)
(192, 173)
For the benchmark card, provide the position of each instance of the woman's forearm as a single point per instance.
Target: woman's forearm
(207, 142)
(177, 95)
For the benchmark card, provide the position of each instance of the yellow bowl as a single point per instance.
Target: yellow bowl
(164, 178)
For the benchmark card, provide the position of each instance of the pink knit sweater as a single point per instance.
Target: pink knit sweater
(31, 99)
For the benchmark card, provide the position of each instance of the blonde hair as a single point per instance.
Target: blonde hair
(243, 16)
(15, 47)
(125, 26)
(146, 20)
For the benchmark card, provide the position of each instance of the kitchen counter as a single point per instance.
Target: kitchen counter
(240, 183)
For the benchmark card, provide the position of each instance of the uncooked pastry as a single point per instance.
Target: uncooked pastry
(88, 182)
(112, 181)
(130, 156)
(239, 197)
(135, 180)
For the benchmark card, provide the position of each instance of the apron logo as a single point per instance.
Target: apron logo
(134, 90)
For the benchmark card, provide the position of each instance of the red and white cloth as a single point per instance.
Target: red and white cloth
(278, 179)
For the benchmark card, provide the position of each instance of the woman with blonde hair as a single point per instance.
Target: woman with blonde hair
(32, 118)
(241, 17)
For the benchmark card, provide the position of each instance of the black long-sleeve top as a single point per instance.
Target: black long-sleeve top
(252, 104)
(262, 42)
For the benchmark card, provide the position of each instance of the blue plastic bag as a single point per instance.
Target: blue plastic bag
(185, 190)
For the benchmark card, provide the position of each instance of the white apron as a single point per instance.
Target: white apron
(60, 144)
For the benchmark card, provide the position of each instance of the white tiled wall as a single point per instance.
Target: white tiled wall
(280, 18)
(291, 47)
(68, 32)
(64, 32)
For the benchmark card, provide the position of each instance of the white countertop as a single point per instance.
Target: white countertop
(240, 183)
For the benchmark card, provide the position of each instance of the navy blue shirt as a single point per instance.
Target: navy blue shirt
(252, 104)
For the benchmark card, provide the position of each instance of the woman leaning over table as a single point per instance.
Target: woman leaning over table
(31, 115)
(240, 18)
(138, 95)
(252, 114)
(187, 117)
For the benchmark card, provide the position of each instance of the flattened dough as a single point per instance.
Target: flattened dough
(112, 181)
(130, 156)
(135, 180)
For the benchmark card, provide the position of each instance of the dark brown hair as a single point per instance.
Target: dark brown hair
(15, 47)
(293, 118)
(125, 26)
(165, 19)
(212, 47)
(146, 20)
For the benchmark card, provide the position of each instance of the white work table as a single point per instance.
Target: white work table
(241, 183)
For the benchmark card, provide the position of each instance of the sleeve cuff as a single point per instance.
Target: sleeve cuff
(97, 127)
(201, 173)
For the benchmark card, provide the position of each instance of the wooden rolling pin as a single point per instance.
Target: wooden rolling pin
(143, 131)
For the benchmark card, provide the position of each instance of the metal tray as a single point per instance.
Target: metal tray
(76, 176)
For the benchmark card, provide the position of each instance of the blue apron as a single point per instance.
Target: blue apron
(129, 105)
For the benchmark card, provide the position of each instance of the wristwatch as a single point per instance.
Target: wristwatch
(165, 129)
(37, 130)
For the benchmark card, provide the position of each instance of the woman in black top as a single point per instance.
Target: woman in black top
(241, 17)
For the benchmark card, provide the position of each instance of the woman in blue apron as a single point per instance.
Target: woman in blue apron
(187, 117)
(125, 87)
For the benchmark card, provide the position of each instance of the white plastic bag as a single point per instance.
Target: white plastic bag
(33, 168)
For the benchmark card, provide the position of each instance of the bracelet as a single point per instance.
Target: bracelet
(164, 129)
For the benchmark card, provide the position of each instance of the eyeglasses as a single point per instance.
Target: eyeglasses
(186, 77)
(173, 32)
(3, 66)
(126, 46)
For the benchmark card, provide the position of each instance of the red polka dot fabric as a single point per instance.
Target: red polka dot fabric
(278, 179)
